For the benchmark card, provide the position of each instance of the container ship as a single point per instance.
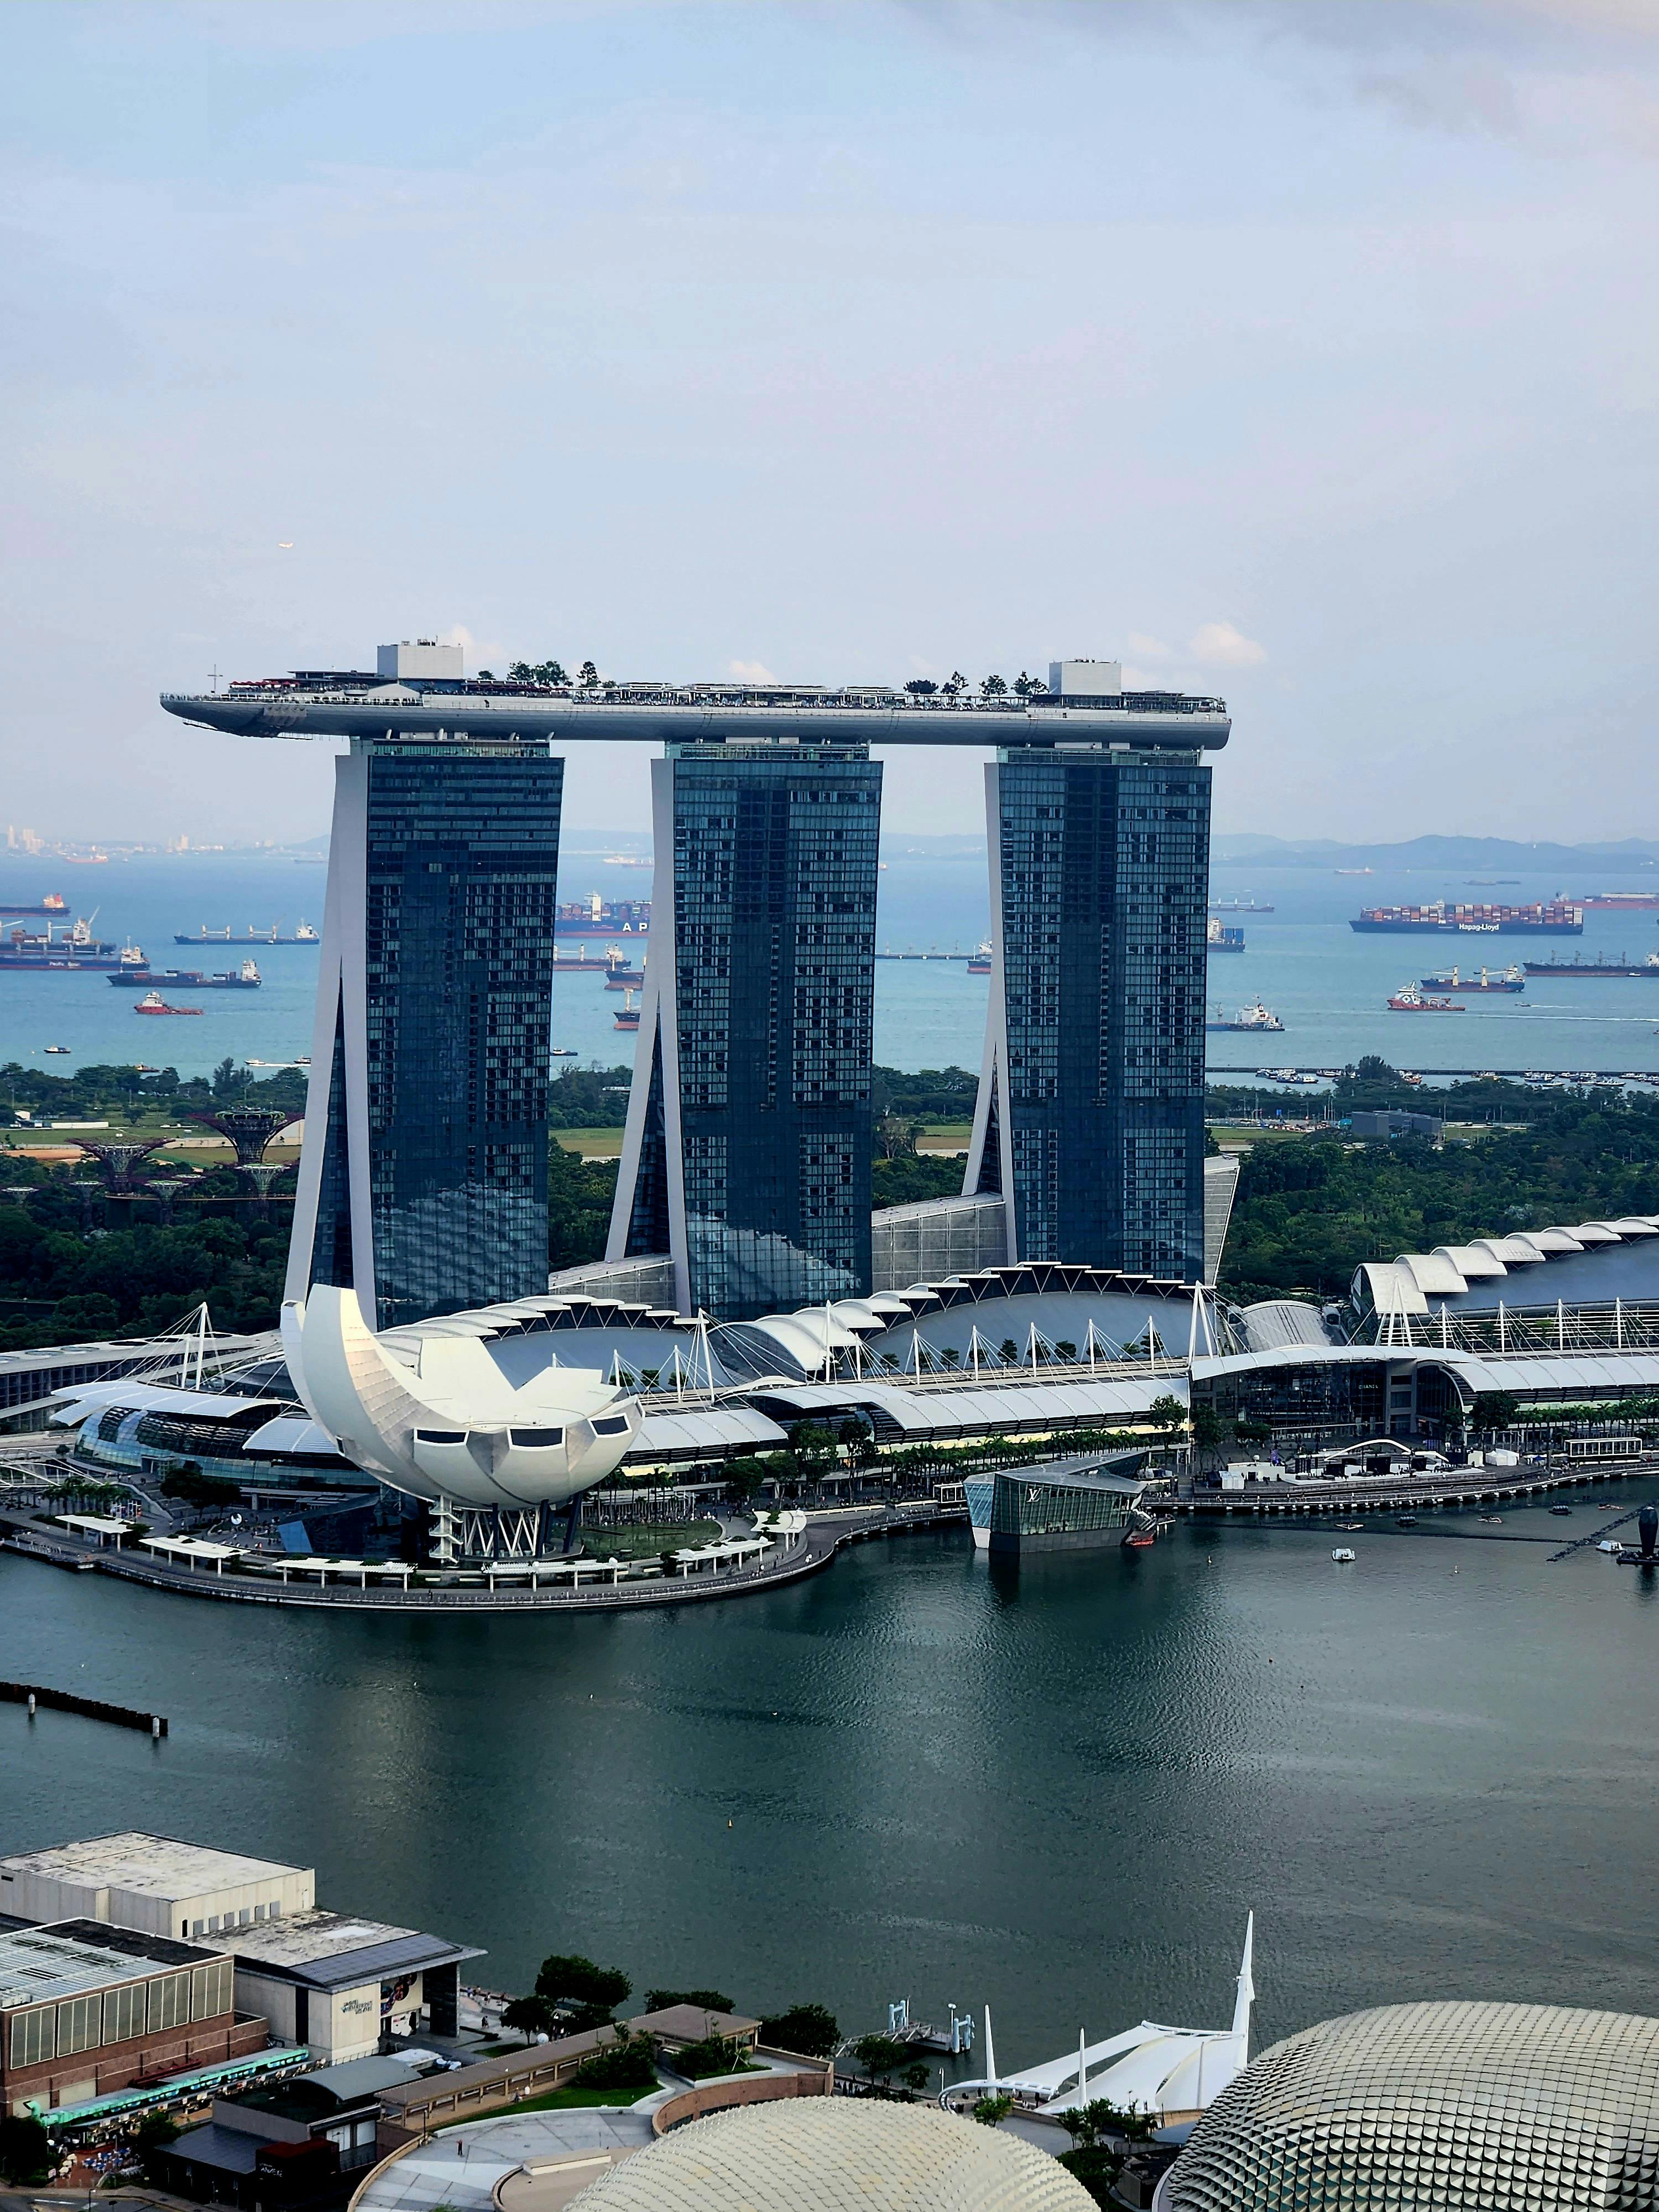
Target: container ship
(1510, 980)
(587, 917)
(1218, 938)
(246, 978)
(1410, 1001)
(1249, 1018)
(304, 934)
(1551, 917)
(1579, 966)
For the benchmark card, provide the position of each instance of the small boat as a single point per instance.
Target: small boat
(1497, 1519)
(1405, 1520)
(1411, 1000)
(1139, 1539)
(1353, 1528)
(1609, 1544)
(154, 1003)
(1560, 1509)
(55, 1048)
(1343, 1556)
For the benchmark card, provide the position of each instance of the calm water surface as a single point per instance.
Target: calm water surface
(1057, 1788)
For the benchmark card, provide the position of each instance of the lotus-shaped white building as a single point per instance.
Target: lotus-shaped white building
(439, 1413)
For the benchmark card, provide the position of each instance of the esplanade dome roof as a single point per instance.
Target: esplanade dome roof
(1448, 2107)
(838, 2155)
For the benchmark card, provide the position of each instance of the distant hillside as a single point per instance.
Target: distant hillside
(1436, 853)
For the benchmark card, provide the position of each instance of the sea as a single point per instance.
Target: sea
(1326, 985)
(1053, 1787)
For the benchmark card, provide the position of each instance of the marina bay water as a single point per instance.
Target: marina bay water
(1056, 1787)
(1326, 985)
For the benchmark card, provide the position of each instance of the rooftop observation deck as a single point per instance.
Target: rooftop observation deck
(348, 703)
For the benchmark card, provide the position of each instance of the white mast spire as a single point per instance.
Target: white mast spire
(1082, 2067)
(1246, 1991)
(990, 2053)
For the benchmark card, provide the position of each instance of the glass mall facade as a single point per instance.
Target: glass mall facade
(434, 1025)
(1091, 1112)
(748, 1150)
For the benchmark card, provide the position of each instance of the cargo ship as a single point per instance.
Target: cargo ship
(1216, 937)
(246, 978)
(1602, 902)
(76, 948)
(1579, 966)
(1411, 1000)
(154, 1003)
(608, 963)
(979, 964)
(1239, 906)
(628, 1014)
(1510, 980)
(1255, 1018)
(304, 934)
(53, 903)
(1551, 917)
(588, 917)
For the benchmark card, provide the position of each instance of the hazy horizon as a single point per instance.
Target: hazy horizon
(1294, 349)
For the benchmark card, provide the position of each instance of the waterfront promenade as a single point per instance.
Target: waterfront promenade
(824, 1534)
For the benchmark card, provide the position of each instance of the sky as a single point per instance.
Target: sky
(1301, 352)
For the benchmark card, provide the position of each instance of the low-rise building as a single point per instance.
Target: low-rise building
(155, 1883)
(331, 1983)
(337, 1982)
(302, 2141)
(88, 2010)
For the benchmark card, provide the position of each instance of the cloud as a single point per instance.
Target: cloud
(481, 653)
(1148, 648)
(751, 671)
(1221, 645)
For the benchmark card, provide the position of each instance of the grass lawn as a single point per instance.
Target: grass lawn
(945, 1137)
(591, 1144)
(554, 2101)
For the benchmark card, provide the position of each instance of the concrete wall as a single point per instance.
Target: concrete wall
(53, 1897)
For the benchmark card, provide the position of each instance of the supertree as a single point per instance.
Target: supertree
(119, 1159)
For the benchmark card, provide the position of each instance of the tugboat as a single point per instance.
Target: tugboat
(1255, 1018)
(154, 1003)
(1410, 1001)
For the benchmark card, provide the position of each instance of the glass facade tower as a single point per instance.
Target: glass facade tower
(1090, 1114)
(747, 1153)
(423, 1178)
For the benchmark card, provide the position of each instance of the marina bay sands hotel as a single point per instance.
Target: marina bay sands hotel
(746, 1163)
